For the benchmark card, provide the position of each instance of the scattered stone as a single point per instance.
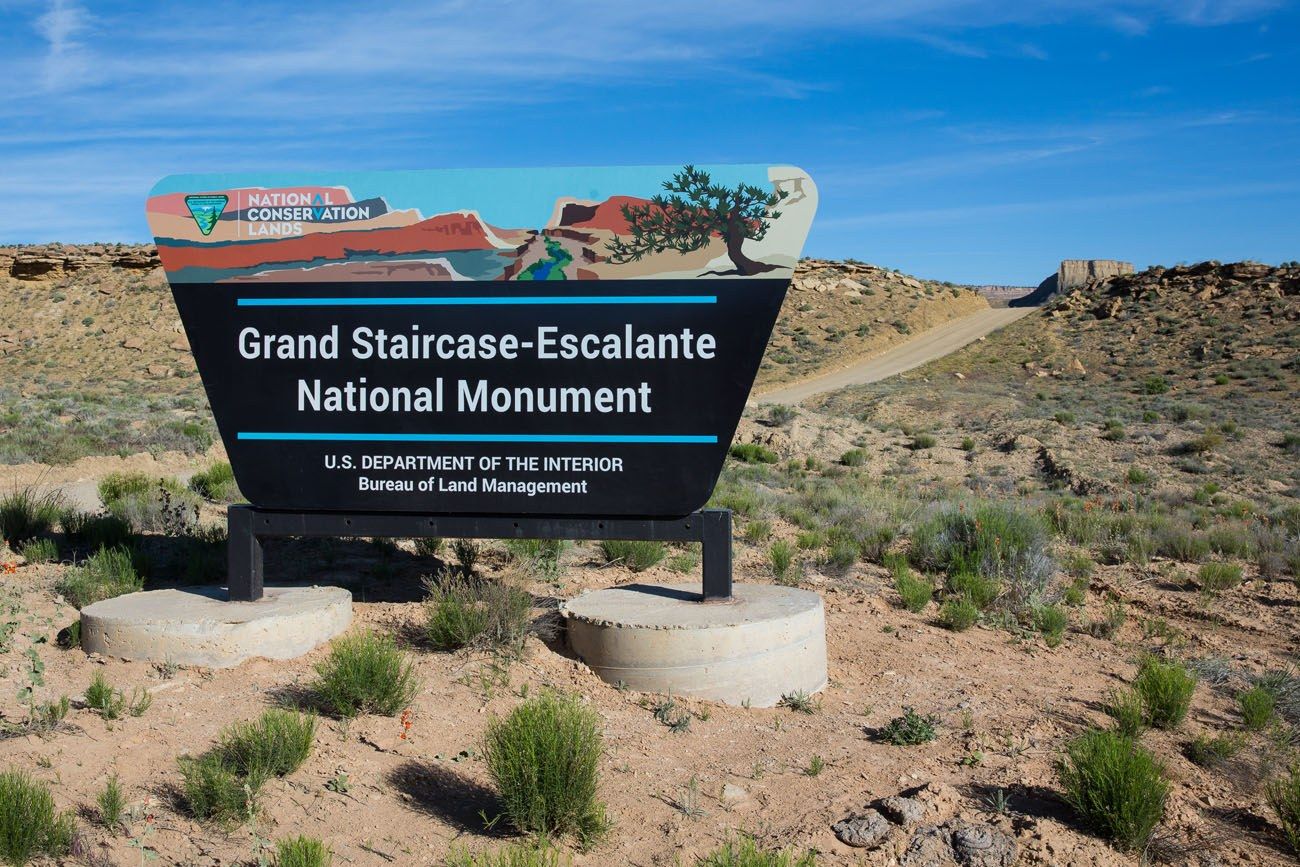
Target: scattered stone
(931, 846)
(862, 830)
(733, 794)
(983, 846)
(901, 811)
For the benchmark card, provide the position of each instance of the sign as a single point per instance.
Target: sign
(567, 341)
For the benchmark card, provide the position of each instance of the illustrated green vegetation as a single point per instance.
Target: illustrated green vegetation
(552, 267)
(635, 555)
(463, 612)
(1117, 787)
(693, 212)
(544, 758)
(910, 729)
(107, 573)
(365, 673)
(1166, 689)
(29, 824)
(302, 852)
(746, 853)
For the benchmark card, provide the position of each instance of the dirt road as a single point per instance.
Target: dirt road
(926, 346)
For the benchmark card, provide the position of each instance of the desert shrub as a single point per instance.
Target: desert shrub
(780, 415)
(1137, 476)
(302, 852)
(635, 555)
(29, 824)
(958, 614)
(781, 557)
(1283, 796)
(994, 541)
(150, 505)
(111, 803)
(915, 591)
(923, 441)
(979, 591)
(467, 553)
(276, 744)
(909, 729)
(1166, 689)
(1126, 708)
(1063, 417)
(753, 453)
(1113, 431)
(1051, 622)
(1076, 593)
(1290, 443)
(465, 611)
(1117, 787)
(542, 556)
(112, 703)
(1210, 752)
(107, 573)
(40, 550)
(544, 758)
(800, 702)
(809, 540)
(215, 791)
(854, 458)
(1232, 539)
(531, 853)
(1217, 577)
(1178, 541)
(1155, 385)
(216, 483)
(746, 853)
(968, 444)
(92, 532)
(26, 514)
(428, 546)
(1257, 706)
(685, 560)
(758, 531)
(1112, 618)
(365, 673)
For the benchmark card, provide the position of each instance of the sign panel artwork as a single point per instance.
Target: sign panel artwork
(576, 341)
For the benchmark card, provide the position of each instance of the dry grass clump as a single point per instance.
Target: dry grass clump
(464, 611)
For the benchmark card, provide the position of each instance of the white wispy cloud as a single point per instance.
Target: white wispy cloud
(65, 58)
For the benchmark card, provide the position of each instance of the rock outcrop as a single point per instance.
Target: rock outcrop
(53, 261)
(1070, 275)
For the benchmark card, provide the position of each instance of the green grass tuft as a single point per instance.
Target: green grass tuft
(545, 760)
(532, 853)
(302, 852)
(26, 514)
(1257, 707)
(29, 824)
(112, 804)
(107, 573)
(958, 614)
(40, 550)
(216, 483)
(1283, 796)
(365, 673)
(753, 453)
(1116, 786)
(1166, 689)
(635, 555)
(746, 853)
(465, 611)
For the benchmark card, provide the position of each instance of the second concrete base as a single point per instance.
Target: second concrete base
(769, 642)
(197, 626)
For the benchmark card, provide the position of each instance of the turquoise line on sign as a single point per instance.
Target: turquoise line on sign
(655, 439)
(465, 301)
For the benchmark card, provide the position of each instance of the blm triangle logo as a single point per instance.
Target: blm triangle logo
(206, 210)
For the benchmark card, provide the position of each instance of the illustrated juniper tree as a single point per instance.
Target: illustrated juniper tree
(694, 210)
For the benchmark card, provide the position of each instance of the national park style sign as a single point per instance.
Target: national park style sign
(562, 341)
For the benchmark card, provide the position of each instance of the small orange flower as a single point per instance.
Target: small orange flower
(10, 568)
(406, 723)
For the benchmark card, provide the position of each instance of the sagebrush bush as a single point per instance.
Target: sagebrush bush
(958, 614)
(92, 532)
(215, 791)
(1217, 577)
(463, 611)
(635, 555)
(746, 853)
(541, 556)
(854, 458)
(1257, 707)
(1166, 689)
(527, 854)
(994, 541)
(275, 744)
(115, 486)
(27, 513)
(544, 758)
(107, 573)
(1284, 797)
(302, 852)
(216, 483)
(976, 589)
(150, 505)
(365, 673)
(922, 441)
(1116, 786)
(29, 824)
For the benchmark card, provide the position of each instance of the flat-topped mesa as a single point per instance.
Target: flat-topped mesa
(1074, 273)
(52, 261)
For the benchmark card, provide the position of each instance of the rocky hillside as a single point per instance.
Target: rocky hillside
(838, 312)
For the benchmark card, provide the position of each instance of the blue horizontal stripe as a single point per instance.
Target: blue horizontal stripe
(473, 301)
(665, 439)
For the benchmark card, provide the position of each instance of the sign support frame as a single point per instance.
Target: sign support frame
(248, 526)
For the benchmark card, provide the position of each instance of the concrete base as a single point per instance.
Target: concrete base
(769, 642)
(197, 626)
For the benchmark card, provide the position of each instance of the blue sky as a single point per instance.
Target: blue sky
(955, 139)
